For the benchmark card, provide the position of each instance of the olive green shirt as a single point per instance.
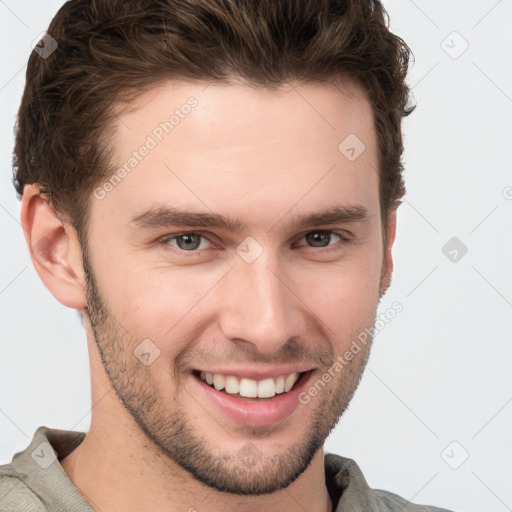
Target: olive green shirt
(36, 482)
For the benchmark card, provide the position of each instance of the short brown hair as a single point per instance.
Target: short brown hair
(111, 51)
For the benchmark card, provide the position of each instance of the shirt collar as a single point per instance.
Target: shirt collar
(347, 486)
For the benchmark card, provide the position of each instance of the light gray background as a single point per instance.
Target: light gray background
(440, 371)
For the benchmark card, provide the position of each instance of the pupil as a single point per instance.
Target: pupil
(189, 239)
(319, 237)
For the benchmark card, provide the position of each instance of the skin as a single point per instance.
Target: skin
(265, 157)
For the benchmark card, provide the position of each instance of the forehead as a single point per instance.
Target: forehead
(233, 148)
(298, 112)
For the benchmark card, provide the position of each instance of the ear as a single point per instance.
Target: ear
(54, 249)
(387, 258)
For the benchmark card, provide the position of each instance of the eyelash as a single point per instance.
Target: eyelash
(167, 238)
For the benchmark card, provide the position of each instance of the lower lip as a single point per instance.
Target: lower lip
(256, 412)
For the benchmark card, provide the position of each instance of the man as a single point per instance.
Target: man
(213, 185)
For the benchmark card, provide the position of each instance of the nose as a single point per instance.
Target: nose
(258, 305)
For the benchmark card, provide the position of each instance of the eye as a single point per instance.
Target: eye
(194, 242)
(188, 242)
(321, 238)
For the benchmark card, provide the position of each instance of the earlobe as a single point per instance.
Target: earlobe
(53, 249)
(387, 260)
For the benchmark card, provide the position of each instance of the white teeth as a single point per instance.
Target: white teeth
(218, 381)
(250, 388)
(290, 381)
(280, 385)
(266, 388)
(232, 385)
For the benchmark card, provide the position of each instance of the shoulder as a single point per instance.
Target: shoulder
(350, 491)
(389, 502)
(15, 495)
(34, 481)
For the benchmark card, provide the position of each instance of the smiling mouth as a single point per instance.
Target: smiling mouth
(245, 388)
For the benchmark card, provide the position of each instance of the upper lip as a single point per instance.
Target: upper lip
(257, 373)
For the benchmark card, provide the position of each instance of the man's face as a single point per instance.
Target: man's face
(274, 297)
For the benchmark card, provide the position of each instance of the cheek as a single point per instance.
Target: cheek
(345, 297)
(159, 304)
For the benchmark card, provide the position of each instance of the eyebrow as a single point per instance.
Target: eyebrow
(165, 216)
